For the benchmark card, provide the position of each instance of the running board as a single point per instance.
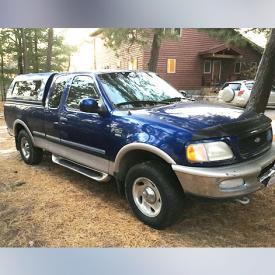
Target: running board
(88, 172)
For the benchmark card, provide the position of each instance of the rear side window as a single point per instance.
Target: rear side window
(56, 93)
(30, 90)
(82, 87)
(233, 86)
(249, 85)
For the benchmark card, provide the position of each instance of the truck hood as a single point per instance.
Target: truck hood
(197, 116)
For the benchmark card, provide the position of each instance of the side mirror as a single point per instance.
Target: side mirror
(89, 105)
(184, 93)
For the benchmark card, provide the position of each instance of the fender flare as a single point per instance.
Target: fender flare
(140, 146)
(19, 121)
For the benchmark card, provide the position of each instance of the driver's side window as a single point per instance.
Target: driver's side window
(82, 87)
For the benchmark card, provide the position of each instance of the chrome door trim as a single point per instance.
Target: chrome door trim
(53, 138)
(38, 134)
(84, 147)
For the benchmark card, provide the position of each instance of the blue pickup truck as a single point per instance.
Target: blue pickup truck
(135, 128)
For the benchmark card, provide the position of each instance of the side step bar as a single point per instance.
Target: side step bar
(88, 172)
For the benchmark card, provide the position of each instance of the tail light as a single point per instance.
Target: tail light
(241, 92)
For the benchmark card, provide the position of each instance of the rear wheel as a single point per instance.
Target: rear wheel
(29, 153)
(154, 194)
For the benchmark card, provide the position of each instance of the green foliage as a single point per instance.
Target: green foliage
(116, 38)
(25, 51)
(230, 36)
(119, 38)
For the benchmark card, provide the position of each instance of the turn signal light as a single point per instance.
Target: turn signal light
(196, 153)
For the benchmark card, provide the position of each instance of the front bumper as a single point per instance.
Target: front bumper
(228, 181)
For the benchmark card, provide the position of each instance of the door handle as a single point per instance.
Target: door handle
(63, 119)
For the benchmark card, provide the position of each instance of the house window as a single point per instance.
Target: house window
(133, 64)
(207, 67)
(237, 68)
(171, 66)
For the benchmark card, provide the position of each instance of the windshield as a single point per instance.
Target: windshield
(129, 88)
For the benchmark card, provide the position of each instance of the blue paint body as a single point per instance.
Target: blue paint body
(169, 128)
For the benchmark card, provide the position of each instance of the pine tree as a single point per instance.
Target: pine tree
(26, 50)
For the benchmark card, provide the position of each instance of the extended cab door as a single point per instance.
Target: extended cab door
(53, 106)
(87, 133)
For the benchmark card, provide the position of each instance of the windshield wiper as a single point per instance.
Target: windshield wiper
(173, 99)
(137, 103)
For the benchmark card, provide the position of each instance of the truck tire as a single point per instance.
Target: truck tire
(29, 153)
(154, 194)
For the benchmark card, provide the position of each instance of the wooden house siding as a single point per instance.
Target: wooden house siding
(107, 58)
(189, 65)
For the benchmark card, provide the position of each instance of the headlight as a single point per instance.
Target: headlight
(209, 151)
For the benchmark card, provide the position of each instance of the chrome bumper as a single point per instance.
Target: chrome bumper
(228, 181)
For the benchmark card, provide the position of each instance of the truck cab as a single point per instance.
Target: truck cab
(135, 128)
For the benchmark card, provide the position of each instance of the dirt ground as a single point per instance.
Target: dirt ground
(51, 206)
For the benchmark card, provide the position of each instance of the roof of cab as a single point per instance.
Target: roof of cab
(48, 74)
(102, 71)
(24, 77)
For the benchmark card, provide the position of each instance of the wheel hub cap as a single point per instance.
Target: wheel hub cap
(25, 146)
(147, 197)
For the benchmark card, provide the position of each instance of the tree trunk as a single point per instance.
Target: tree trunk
(18, 45)
(25, 52)
(264, 78)
(2, 65)
(69, 63)
(94, 53)
(36, 67)
(49, 50)
(153, 62)
(3, 94)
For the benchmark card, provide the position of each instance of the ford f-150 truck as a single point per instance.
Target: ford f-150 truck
(135, 128)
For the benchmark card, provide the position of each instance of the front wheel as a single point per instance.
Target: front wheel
(154, 194)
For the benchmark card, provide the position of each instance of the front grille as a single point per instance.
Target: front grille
(255, 144)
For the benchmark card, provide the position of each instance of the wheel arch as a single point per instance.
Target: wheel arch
(140, 147)
(135, 153)
(19, 125)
